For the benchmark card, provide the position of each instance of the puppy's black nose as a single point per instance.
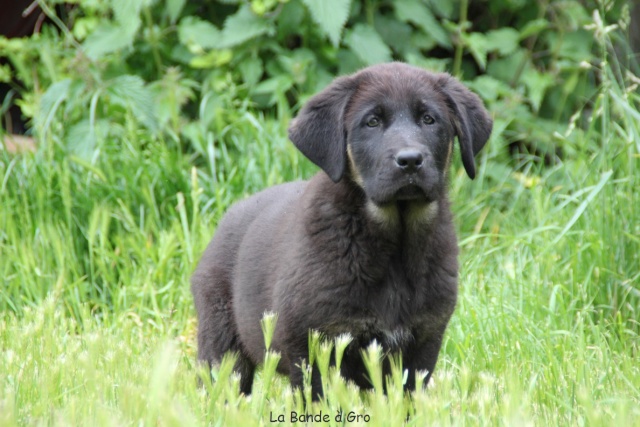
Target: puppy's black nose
(409, 160)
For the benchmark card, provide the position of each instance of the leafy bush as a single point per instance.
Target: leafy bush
(189, 69)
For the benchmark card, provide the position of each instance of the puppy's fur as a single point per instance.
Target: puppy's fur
(366, 247)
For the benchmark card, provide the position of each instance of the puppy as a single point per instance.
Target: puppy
(366, 247)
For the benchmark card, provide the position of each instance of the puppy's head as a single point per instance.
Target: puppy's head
(390, 128)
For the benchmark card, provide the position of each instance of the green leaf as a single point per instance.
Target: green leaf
(198, 35)
(395, 34)
(504, 41)
(174, 8)
(111, 37)
(280, 83)
(130, 92)
(171, 93)
(504, 68)
(107, 38)
(537, 84)
(433, 64)
(574, 45)
(212, 59)
(262, 7)
(83, 26)
(51, 100)
(490, 89)
(533, 27)
(290, 19)
(418, 13)
(367, 44)
(330, 15)
(444, 8)
(274, 86)
(477, 45)
(83, 138)
(251, 70)
(244, 25)
(5, 74)
(297, 64)
(127, 14)
(347, 61)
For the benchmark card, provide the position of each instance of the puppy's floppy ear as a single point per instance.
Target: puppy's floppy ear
(471, 120)
(318, 130)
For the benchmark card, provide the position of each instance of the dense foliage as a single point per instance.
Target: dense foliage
(187, 69)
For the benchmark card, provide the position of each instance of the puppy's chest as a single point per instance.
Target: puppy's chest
(393, 311)
(380, 285)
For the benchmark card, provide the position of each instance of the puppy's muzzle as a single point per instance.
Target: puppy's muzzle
(409, 160)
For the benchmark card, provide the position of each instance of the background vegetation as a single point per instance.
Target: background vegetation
(152, 117)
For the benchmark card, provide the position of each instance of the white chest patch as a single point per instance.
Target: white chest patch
(397, 338)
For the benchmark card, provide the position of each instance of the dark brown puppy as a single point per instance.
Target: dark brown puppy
(366, 247)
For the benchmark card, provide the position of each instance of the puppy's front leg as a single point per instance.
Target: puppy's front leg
(423, 357)
(296, 375)
(297, 354)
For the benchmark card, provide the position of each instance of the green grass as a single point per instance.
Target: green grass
(97, 323)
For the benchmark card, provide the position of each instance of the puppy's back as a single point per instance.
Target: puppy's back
(261, 211)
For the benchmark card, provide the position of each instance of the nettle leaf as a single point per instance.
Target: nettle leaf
(504, 68)
(107, 38)
(242, 26)
(212, 59)
(574, 45)
(174, 8)
(490, 89)
(477, 45)
(55, 95)
(79, 94)
(534, 27)
(130, 92)
(127, 14)
(394, 33)
(111, 37)
(251, 70)
(444, 8)
(537, 84)
(198, 34)
(347, 61)
(5, 74)
(171, 93)
(274, 87)
(281, 83)
(504, 41)
(367, 45)
(434, 64)
(261, 7)
(418, 13)
(83, 26)
(297, 64)
(330, 15)
(84, 137)
(290, 18)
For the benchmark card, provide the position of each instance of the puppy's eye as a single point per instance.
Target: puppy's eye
(428, 120)
(373, 122)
